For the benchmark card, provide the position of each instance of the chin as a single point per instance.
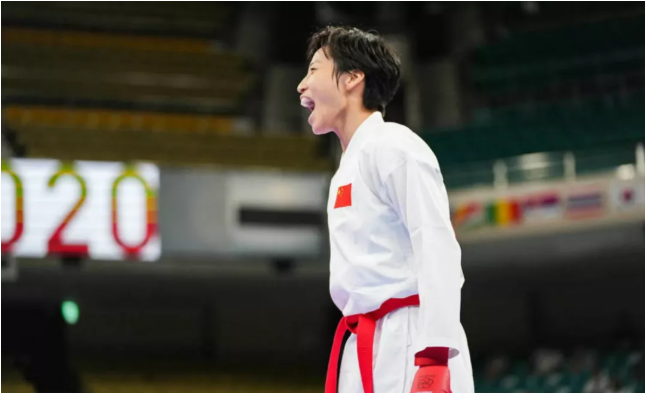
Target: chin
(320, 130)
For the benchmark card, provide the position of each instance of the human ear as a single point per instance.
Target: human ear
(353, 79)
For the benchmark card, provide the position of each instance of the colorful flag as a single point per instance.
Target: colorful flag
(468, 216)
(343, 196)
(504, 212)
(628, 195)
(585, 204)
(541, 207)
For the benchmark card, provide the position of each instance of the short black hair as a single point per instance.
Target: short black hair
(353, 49)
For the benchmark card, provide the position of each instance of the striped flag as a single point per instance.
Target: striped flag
(468, 216)
(541, 207)
(504, 212)
(585, 204)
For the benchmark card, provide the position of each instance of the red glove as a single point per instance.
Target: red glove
(433, 375)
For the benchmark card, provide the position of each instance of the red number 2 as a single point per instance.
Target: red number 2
(56, 246)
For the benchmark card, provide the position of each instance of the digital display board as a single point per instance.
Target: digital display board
(96, 210)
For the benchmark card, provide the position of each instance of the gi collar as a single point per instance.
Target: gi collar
(362, 134)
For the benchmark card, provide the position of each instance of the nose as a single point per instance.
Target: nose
(302, 86)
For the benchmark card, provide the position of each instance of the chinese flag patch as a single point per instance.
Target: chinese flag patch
(344, 196)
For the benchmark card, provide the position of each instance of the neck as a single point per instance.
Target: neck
(349, 124)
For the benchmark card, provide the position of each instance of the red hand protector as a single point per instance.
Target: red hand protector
(431, 379)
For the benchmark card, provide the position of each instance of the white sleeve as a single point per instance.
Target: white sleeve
(416, 190)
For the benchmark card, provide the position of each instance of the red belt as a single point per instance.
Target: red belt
(363, 325)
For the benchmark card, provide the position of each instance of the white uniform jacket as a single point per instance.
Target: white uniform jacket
(391, 237)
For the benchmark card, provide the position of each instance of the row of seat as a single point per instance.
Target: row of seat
(623, 107)
(156, 72)
(19, 116)
(497, 141)
(601, 57)
(565, 42)
(601, 69)
(26, 45)
(601, 133)
(170, 138)
(61, 39)
(175, 148)
(194, 19)
(560, 373)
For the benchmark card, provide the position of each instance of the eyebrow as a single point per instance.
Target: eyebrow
(314, 62)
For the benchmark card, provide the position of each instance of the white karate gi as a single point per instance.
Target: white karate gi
(396, 240)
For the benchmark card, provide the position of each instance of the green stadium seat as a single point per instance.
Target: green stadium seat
(531, 62)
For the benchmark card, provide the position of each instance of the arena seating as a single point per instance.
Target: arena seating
(551, 127)
(73, 134)
(573, 39)
(159, 88)
(602, 133)
(611, 371)
(117, 120)
(579, 88)
(119, 70)
(602, 55)
(196, 19)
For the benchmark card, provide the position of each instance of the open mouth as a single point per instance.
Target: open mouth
(308, 103)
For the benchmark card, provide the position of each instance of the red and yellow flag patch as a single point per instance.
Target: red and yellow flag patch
(344, 196)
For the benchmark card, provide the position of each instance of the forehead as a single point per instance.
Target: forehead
(320, 57)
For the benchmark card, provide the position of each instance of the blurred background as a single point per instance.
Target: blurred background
(163, 199)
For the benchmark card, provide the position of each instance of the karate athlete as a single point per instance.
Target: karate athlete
(395, 262)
